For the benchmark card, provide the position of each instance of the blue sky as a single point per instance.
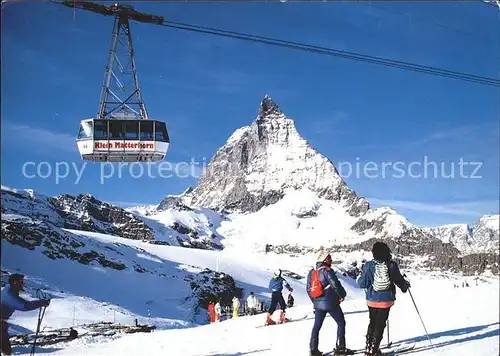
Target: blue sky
(205, 87)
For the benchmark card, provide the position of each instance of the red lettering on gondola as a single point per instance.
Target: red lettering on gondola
(124, 145)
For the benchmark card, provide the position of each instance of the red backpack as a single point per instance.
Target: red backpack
(315, 287)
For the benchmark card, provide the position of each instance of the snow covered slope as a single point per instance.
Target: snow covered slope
(303, 222)
(110, 273)
(472, 331)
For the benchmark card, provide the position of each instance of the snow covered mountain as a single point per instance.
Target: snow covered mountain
(483, 236)
(282, 195)
(459, 235)
(278, 190)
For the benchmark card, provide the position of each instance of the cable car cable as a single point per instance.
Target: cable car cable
(335, 52)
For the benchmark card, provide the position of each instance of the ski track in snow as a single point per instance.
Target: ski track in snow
(461, 321)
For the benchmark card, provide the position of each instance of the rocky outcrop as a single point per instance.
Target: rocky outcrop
(82, 212)
(259, 163)
(86, 213)
(54, 242)
(213, 286)
(174, 202)
(433, 253)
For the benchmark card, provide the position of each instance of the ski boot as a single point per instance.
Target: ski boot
(315, 353)
(282, 318)
(369, 346)
(269, 320)
(342, 351)
(375, 350)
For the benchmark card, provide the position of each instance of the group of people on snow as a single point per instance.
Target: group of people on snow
(252, 306)
(378, 277)
(215, 310)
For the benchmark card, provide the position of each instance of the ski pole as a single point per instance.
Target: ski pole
(41, 313)
(388, 339)
(415, 304)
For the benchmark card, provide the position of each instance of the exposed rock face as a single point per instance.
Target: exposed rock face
(434, 254)
(260, 162)
(209, 286)
(54, 242)
(174, 202)
(82, 212)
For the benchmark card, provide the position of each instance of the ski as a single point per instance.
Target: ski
(289, 321)
(398, 350)
(387, 350)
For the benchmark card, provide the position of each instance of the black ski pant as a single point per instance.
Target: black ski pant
(376, 327)
(319, 316)
(4, 340)
(277, 298)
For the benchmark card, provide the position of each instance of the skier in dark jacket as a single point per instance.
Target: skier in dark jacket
(276, 286)
(11, 301)
(291, 300)
(378, 278)
(328, 303)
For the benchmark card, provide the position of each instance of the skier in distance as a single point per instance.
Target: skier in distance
(276, 286)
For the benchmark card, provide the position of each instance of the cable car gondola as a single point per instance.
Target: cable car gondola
(122, 140)
(121, 130)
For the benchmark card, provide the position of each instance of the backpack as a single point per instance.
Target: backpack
(381, 278)
(315, 287)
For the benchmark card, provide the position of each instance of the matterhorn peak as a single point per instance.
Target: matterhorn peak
(261, 163)
(267, 107)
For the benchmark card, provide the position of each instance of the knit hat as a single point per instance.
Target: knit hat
(322, 256)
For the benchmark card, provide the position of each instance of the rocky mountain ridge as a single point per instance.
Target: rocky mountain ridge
(85, 212)
(483, 236)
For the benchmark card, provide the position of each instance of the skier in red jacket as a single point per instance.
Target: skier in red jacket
(211, 311)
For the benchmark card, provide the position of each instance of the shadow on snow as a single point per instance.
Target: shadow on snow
(240, 353)
(456, 332)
